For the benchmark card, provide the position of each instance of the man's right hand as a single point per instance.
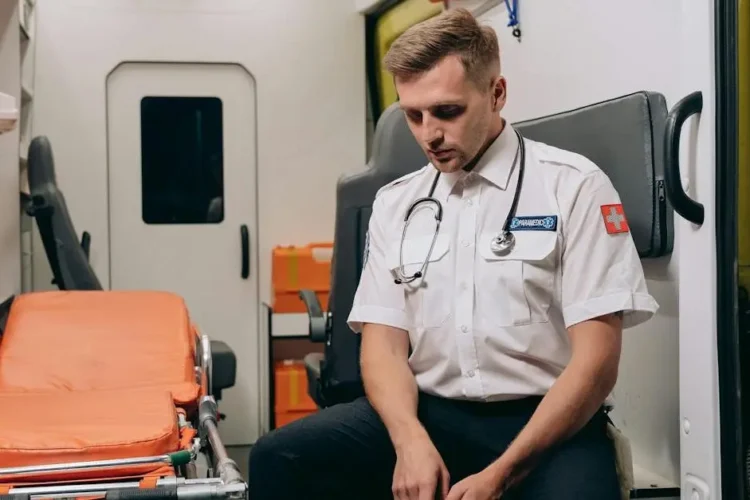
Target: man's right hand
(392, 391)
(420, 472)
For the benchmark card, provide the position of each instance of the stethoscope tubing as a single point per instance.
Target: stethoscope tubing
(505, 236)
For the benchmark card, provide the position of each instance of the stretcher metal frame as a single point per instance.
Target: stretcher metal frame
(223, 481)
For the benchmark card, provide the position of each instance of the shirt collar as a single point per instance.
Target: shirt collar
(495, 165)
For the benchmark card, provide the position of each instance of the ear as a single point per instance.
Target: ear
(499, 93)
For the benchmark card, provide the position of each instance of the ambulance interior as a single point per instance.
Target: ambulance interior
(226, 152)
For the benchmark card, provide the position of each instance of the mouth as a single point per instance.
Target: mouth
(442, 154)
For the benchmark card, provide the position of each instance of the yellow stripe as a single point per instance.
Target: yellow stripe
(293, 388)
(743, 89)
(389, 27)
(294, 269)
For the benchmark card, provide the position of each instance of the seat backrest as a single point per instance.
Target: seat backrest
(623, 136)
(394, 154)
(65, 253)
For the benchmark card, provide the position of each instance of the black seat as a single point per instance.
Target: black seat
(69, 258)
(4, 313)
(624, 136)
(334, 376)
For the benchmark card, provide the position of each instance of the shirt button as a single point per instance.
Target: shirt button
(465, 243)
(464, 328)
(469, 202)
(470, 373)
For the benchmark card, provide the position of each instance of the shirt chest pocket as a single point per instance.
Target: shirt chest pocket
(428, 297)
(519, 287)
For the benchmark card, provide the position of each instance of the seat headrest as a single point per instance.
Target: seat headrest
(394, 150)
(42, 160)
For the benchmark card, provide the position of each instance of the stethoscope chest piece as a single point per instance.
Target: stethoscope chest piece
(503, 243)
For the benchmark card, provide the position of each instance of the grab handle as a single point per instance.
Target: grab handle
(688, 208)
(245, 241)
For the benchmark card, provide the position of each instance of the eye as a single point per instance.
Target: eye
(448, 111)
(413, 115)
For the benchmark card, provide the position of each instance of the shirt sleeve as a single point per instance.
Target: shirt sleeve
(601, 269)
(378, 298)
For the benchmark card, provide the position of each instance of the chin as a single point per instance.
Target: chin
(454, 165)
(445, 167)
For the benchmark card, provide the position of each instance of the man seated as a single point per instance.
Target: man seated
(510, 284)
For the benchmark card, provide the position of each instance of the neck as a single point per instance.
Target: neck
(495, 131)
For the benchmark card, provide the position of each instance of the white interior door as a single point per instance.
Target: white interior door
(182, 205)
(700, 452)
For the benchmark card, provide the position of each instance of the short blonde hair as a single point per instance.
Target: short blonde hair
(453, 32)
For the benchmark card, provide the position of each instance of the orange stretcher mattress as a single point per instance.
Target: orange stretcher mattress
(93, 340)
(67, 427)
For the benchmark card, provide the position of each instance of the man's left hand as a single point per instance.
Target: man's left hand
(484, 485)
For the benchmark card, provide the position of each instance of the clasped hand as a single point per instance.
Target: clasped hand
(421, 474)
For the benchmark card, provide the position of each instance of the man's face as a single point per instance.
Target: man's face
(450, 117)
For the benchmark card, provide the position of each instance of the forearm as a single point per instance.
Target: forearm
(390, 386)
(571, 402)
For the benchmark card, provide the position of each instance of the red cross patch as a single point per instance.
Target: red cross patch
(614, 219)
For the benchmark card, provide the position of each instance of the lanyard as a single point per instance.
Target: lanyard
(513, 18)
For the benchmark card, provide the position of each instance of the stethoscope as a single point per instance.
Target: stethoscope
(502, 244)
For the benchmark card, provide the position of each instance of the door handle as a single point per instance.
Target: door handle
(688, 208)
(245, 241)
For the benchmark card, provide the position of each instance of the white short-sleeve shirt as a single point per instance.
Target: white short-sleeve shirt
(488, 327)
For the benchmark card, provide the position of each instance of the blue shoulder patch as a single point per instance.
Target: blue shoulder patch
(534, 223)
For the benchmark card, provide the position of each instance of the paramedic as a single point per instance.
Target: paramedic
(486, 375)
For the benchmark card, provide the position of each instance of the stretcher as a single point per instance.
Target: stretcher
(106, 394)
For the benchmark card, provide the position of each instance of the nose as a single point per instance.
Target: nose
(432, 133)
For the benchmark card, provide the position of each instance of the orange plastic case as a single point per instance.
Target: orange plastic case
(291, 399)
(300, 267)
(291, 387)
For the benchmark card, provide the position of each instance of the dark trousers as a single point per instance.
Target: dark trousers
(344, 452)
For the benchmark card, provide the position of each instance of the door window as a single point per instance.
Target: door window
(181, 160)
